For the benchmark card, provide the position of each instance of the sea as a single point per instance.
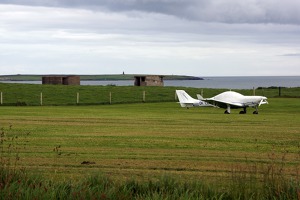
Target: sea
(226, 82)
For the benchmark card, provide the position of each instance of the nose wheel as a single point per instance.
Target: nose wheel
(255, 112)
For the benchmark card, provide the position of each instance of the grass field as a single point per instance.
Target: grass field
(146, 140)
(154, 150)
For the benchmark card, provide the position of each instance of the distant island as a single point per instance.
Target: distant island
(104, 77)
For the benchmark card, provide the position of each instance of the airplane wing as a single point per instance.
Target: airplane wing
(223, 104)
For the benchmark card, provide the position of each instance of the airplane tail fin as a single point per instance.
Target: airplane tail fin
(185, 100)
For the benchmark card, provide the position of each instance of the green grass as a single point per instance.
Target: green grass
(146, 140)
(22, 186)
(27, 94)
(205, 153)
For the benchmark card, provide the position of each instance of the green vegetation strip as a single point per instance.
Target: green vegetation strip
(31, 94)
(19, 185)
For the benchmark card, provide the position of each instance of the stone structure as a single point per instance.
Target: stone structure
(149, 80)
(61, 80)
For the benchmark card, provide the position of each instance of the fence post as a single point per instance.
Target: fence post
(109, 97)
(279, 88)
(144, 96)
(1, 99)
(253, 91)
(41, 99)
(175, 96)
(77, 98)
(202, 92)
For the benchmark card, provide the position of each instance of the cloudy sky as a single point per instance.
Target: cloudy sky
(187, 37)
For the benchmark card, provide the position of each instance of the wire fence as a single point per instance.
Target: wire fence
(116, 95)
(44, 98)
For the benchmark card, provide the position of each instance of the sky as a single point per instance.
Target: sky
(166, 37)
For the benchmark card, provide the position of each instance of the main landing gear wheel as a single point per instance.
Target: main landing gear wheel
(244, 111)
(255, 112)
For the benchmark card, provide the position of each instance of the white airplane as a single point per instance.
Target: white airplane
(226, 100)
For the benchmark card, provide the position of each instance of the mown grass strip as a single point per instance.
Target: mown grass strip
(126, 139)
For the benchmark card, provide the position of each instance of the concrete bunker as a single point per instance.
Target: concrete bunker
(149, 80)
(61, 80)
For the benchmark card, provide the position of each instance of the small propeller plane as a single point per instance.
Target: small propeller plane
(228, 100)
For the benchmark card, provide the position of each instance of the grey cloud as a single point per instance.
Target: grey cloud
(223, 11)
(292, 54)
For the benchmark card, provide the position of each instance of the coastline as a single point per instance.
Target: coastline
(104, 77)
(249, 82)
